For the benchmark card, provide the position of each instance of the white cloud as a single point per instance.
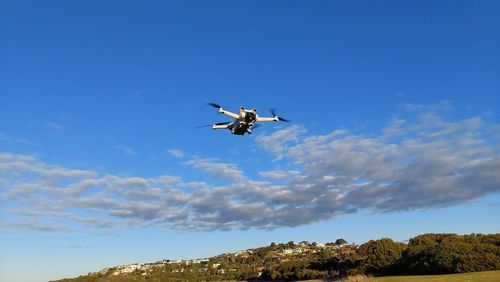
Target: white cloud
(278, 141)
(126, 150)
(274, 174)
(438, 107)
(429, 162)
(176, 153)
(217, 169)
(32, 226)
(132, 181)
(10, 139)
(279, 174)
(394, 128)
(54, 125)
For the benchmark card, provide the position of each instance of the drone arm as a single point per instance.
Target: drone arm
(266, 119)
(228, 113)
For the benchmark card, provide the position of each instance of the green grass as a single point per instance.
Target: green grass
(486, 276)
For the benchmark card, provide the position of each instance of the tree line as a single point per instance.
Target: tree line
(423, 254)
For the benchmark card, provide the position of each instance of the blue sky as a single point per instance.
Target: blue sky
(395, 130)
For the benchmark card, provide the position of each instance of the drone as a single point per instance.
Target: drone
(244, 121)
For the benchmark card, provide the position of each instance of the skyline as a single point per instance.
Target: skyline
(395, 127)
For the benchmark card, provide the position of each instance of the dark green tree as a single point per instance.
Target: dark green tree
(383, 256)
(340, 241)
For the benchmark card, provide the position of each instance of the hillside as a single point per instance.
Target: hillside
(484, 276)
(424, 254)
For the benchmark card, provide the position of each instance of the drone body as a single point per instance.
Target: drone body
(244, 121)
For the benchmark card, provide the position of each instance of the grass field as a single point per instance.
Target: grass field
(486, 276)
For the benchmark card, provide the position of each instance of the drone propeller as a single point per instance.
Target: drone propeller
(217, 106)
(273, 112)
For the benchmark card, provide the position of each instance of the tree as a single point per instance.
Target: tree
(451, 253)
(382, 256)
(340, 241)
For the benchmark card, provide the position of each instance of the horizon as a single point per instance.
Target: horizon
(395, 127)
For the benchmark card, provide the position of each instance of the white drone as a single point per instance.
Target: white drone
(244, 121)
